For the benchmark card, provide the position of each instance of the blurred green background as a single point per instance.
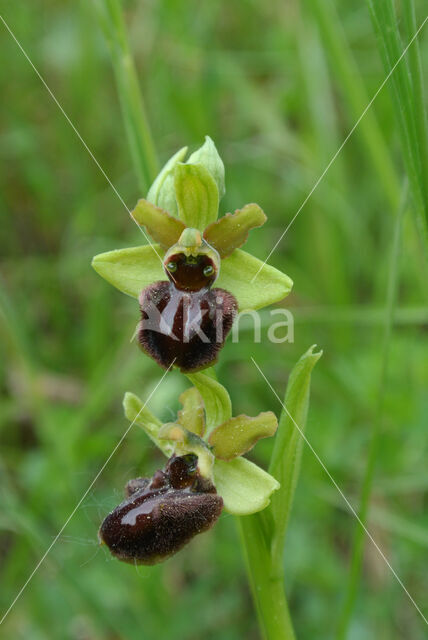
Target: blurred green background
(278, 86)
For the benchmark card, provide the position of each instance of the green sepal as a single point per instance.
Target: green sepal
(197, 196)
(131, 270)
(136, 412)
(231, 231)
(208, 156)
(238, 435)
(163, 228)
(218, 406)
(134, 268)
(237, 272)
(192, 415)
(162, 191)
(244, 487)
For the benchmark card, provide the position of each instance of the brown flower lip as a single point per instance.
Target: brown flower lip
(187, 329)
(161, 514)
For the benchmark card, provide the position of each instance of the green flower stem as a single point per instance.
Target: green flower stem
(359, 537)
(134, 115)
(266, 581)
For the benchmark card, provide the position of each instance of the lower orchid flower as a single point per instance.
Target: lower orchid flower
(205, 473)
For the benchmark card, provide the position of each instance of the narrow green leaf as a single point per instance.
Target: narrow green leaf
(287, 452)
(409, 113)
(218, 407)
(231, 231)
(192, 415)
(237, 272)
(197, 195)
(208, 156)
(162, 227)
(131, 270)
(131, 100)
(162, 191)
(136, 412)
(351, 84)
(238, 435)
(244, 487)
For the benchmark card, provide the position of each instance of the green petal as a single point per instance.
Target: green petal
(197, 195)
(132, 269)
(244, 487)
(136, 412)
(162, 227)
(208, 156)
(237, 272)
(192, 415)
(162, 191)
(218, 407)
(238, 435)
(231, 231)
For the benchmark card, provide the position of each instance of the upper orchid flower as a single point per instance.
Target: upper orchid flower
(184, 321)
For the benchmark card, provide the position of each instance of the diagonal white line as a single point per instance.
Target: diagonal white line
(42, 559)
(58, 104)
(348, 504)
(341, 147)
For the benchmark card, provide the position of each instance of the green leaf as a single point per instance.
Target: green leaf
(237, 272)
(192, 415)
(244, 487)
(197, 195)
(287, 452)
(231, 231)
(136, 412)
(162, 191)
(208, 157)
(218, 407)
(131, 270)
(162, 227)
(238, 435)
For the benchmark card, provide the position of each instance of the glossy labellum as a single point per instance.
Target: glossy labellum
(183, 321)
(161, 514)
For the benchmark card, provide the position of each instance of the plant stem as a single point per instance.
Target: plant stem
(132, 104)
(359, 536)
(266, 581)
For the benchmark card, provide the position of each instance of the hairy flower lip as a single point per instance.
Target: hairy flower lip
(186, 329)
(161, 515)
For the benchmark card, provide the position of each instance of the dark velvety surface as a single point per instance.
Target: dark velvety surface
(187, 329)
(161, 514)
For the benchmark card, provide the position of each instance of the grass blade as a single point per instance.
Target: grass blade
(355, 93)
(359, 537)
(134, 114)
(407, 99)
